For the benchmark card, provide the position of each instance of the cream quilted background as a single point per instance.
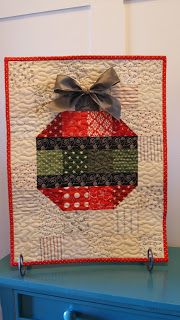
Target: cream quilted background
(42, 231)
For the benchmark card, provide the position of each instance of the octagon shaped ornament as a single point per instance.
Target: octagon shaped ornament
(86, 161)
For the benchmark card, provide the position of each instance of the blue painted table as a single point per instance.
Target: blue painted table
(92, 292)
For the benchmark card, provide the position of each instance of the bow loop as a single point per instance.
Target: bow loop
(106, 80)
(66, 84)
(73, 97)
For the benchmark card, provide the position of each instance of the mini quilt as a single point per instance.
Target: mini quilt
(87, 162)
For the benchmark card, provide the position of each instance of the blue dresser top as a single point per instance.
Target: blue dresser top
(116, 284)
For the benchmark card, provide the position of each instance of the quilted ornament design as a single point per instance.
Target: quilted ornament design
(84, 186)
(87, 171)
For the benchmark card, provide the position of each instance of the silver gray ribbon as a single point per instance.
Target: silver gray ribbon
(72, 97)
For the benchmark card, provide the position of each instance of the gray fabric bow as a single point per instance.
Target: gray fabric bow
(74, 98)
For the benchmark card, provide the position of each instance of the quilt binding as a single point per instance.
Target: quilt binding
(10, 196)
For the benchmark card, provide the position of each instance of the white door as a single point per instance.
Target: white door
(49, 28)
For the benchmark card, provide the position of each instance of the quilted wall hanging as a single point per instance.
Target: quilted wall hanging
(87, 163)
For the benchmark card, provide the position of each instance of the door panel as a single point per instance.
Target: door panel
(49, 28)
(16, 8)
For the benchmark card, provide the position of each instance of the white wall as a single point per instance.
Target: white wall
(152, 28)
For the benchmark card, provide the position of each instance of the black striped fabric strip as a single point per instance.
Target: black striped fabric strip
(82, 143)
(87, 179)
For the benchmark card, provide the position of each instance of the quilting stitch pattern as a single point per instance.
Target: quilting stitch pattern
(93, 222)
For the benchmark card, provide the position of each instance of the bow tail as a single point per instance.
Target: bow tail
(66, 101)
(115, 108)
(108, 104)
(57, 105)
